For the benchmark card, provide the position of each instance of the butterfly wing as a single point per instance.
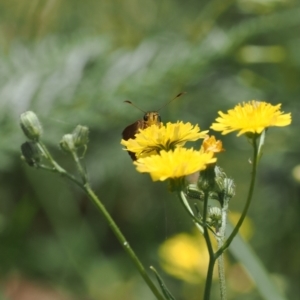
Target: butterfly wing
(129, 133)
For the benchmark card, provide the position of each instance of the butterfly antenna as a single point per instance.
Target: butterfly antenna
(129, 102)
(179, 95)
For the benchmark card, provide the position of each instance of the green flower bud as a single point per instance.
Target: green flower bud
(226, 192)
(206, 180)
(31, 125)
(214, 217)
(229, 187)
(80, 136)
(220, 174)
(214, 212)
(31, 153)
(67, 143)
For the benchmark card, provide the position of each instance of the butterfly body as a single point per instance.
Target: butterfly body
(150, 118)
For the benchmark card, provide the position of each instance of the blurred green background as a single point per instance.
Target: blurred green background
(75, 62)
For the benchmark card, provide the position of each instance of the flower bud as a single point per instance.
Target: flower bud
(31, 125)
(31, 153)
(226, 186)
(67, 143)
(206, 180)
(229, 187)
(214, 217)
(80, 136)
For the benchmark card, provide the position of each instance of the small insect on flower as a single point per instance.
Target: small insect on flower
(150, 118)
(153, 139)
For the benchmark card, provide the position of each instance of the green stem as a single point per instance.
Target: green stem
(55, 166)
(212, 258)
(80, 168)
(209, 277)
(93, 197)
(184, 202)
(221, 268)
(221, 272)
(49, 157)
(204, 231)
(206, 235)
(63, 173)
(249, 198)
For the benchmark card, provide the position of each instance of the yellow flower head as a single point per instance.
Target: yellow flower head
(251, 117)
(174, 164)
(210, 144)
(154, 138)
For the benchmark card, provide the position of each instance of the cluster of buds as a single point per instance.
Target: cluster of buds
(73, 141)
(31, 150)
(214, 182)
(33, 130)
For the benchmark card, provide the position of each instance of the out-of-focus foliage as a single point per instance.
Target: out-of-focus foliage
(74, 62)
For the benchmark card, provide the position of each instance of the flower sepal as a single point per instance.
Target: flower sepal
(176, 184)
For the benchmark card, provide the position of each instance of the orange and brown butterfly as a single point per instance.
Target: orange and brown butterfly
(150, 118)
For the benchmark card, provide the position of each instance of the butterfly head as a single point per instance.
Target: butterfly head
(152, 118)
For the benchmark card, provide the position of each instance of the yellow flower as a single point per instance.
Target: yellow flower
(210, 144)
(185, 256)
(174, 164)
(251, 117)
(153, 139)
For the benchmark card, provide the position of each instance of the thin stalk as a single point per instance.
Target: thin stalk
(204, 231)
(49, 157)
(221, 272)
(93, 197)
(212, 258)
(206, 235)
(209, 277)
(190, 212)
(63, 173)
(221, 268)
(55, 166)
(249, 198)
(80, 168)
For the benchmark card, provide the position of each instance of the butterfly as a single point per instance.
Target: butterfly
(150, 118)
